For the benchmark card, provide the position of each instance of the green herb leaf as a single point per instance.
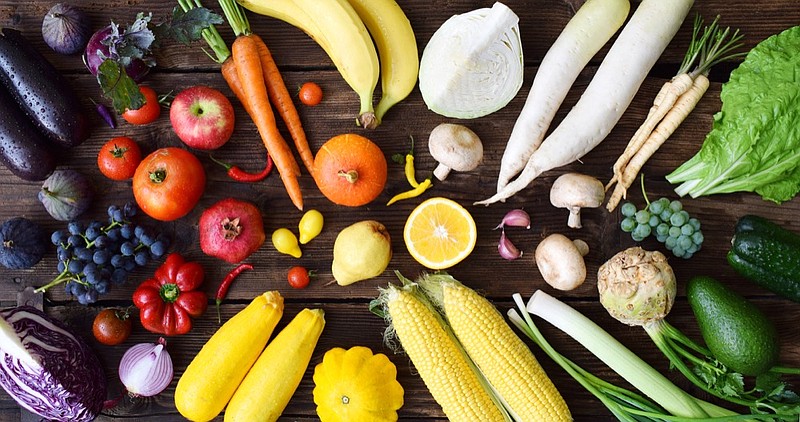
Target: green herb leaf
(186, 27)
(399, 158)
(119, 87)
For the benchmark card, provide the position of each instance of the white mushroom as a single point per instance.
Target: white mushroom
(560, 261)
(574, 191)
(455, 147)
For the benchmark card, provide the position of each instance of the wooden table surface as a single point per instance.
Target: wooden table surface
(349, 321)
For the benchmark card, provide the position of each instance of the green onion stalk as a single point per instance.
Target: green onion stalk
(663, 400)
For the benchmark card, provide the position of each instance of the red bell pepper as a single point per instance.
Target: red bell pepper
(168, 301)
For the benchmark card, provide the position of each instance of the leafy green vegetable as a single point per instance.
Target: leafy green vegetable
(187, 26)
(136, 42)
(754, 145)
(119, 87)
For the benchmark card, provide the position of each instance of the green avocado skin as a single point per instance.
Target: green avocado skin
(738, 334)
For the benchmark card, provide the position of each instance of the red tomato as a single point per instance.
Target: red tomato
(299, 277)
(168, 183)
(147, 113)
(112, 327)
(119, 157)
(310, 94)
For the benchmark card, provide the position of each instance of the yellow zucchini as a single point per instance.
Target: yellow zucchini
(213, 375)
(270, 384)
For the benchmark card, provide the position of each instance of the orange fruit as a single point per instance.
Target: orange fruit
(440, 233)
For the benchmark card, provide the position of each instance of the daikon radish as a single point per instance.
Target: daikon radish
(585, 34)
(633, 54)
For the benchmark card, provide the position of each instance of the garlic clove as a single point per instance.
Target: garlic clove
(515, 218)
(507, 249)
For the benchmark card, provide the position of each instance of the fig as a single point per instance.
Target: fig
(22, 243)
(66, 29)
(66, 194)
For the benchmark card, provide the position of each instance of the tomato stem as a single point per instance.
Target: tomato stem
(158, 176)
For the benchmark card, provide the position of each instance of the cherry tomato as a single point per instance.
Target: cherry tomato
(112, 326)
(310, 94)
(119, 157)
(299, 277)
(147, 113)
(168, 183)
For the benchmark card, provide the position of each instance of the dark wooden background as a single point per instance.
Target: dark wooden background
(349, 322)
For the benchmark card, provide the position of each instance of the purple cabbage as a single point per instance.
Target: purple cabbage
(67, 383)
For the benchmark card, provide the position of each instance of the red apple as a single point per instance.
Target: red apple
(202, 117)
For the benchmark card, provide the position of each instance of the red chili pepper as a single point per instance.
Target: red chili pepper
(226, 284)
(239, 175)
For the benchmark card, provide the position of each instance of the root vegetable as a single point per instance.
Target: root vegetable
(610, 92)
(560, 261)
(589, 29)
(574, 191)
(673, 103)
(455, 147)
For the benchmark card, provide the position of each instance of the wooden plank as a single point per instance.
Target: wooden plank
(349, 321)
(540, 23)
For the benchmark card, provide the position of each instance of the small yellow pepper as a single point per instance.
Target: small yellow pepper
(410, 172)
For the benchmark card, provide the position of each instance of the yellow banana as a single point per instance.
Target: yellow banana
(397, 48)
(336, 27)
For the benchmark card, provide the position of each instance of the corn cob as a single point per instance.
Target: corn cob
(503, 358)
(439, 360)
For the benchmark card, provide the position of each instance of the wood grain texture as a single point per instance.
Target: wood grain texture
(349, 321)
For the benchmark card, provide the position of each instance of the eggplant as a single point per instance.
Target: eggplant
(23, 149)
(41, 91)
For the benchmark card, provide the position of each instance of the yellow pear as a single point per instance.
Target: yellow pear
(361, 251)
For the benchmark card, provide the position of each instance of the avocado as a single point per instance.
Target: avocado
(736, 331)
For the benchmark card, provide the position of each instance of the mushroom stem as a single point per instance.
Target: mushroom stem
(441, 171)
(574, 220)
(581, 246)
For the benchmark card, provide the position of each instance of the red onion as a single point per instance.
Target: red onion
(146, 369)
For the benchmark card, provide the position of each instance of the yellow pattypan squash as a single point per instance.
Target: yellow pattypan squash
(356, 385)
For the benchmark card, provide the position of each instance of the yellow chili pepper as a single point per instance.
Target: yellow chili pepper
(417, 191)
(410, 176)
(410, 171)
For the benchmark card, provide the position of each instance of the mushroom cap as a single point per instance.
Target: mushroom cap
(577, 190)
(560, 262)
(456, 146)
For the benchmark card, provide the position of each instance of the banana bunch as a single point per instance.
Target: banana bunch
(342, 28)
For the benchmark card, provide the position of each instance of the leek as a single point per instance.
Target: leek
(624, 404)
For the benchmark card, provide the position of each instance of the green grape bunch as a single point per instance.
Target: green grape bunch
(668, 222)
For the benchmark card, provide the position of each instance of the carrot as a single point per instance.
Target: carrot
(676, 99)
(676, 115)
(247, 62)
(242, 69)
(280, 97)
